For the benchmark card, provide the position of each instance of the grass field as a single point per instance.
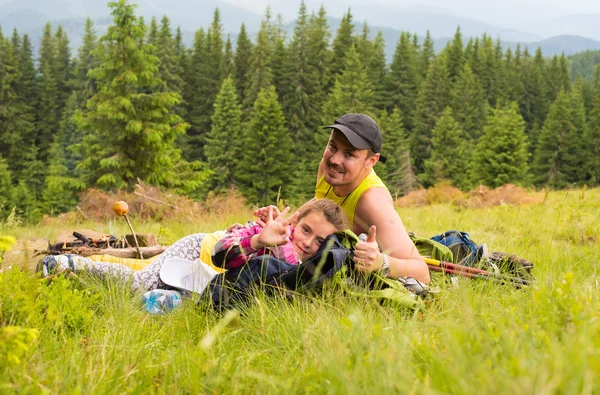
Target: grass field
(474, 338)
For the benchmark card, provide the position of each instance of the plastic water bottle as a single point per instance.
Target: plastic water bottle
(159, 301)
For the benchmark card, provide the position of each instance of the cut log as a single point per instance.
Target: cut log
(147, 240)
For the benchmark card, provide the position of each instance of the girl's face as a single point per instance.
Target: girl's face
(309, 233)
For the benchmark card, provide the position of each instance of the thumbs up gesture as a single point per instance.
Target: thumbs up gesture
(367, 257)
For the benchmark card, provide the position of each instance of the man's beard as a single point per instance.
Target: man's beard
(339, 173)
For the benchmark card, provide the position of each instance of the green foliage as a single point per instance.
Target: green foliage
(554, 159)
(223, 148)
(455, 56)
(266, 164)
(343, 41)
(61, 190)
(351, 92)
(396, 172)
(451, 154)
(592, 137)
(134, 131)
(403, 80)
(426, 55)
(434, 96)
(243, 53)
(15, 342)
(468, 104)
(584, 64)
(260, 74)
(62, 308)
(501, 155)
(301, 109)
(6, 188)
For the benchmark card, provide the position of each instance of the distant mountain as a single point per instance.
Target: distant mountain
(28, 15)
(550, 47)
(578, 25)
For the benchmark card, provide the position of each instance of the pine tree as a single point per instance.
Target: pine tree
(6, 187)
(48, 110)
(576, 148)
(454, 56)
(260, 75)
(558, 77)
(278, 56)
(397, 170)
(152, 38)
(474, 57)
(433, 98)
(133, 132)
(377, 70)
(513, 70)
(318, 56)
(223, 148)
(403, 80)
(469, 104)
(351, 92)
(592, 136)
(426, 56)
(266, 165)
(181, 68)
(534, 103)
(192, 142)
(17, 130)
(501, 153)
(168, 68)
(60, 194)
(552, 160)
(208, 82)
(243, 53)
(69, 135)
(228, 62)
(344, 39)
(491, 72)
(64, 70)
(300, 109)
(450, 155)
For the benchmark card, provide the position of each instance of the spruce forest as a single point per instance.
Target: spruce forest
(136, 104)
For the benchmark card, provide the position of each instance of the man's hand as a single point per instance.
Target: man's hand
(263, 213)
(367, 257)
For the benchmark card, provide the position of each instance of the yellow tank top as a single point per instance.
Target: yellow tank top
(348, 203)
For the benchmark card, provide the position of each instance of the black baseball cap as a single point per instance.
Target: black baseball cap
(361, 131)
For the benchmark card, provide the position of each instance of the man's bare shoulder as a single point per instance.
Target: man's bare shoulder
(375, 207)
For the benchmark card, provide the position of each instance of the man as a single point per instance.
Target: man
(346, 176)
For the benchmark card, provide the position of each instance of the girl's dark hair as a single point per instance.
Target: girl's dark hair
(333, 213)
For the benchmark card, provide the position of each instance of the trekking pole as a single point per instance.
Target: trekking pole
(471, 272)
(122, 208)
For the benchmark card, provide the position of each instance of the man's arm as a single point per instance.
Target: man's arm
(376, 207)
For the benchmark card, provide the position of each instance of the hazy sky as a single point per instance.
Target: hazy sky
(492, 11)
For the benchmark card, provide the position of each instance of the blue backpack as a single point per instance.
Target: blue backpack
(464, 250)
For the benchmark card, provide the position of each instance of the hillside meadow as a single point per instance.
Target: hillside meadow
(91, 337)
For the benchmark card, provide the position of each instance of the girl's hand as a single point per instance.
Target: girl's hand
(276, 231)
(263, 213)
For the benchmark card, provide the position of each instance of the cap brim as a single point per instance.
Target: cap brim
(191, 276)
(353, 137)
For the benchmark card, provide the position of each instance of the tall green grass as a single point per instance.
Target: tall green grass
(70, 337)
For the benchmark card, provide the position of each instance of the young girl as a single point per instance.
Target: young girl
(292, 240)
